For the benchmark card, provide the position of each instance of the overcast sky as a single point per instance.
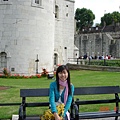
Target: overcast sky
(99, 7)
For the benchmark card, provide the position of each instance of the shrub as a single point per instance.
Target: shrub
(38, 75)
(6, 72)
(44, 73)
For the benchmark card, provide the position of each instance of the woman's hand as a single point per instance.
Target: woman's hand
(57, 117)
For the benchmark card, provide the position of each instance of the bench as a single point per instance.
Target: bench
(24, 94)
(74, 110)
(92, 91)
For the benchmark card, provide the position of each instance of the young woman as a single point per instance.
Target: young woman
(61, 91)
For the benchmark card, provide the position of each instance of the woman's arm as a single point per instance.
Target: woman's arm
(52, 98)
(52, 101)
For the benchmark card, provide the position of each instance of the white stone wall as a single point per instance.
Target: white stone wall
(25, 31)
(64, 31)
(28, 30)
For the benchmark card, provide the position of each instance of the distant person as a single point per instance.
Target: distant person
(85, 56)
(103, 57)
(95, 57)
(106, 57)
(109, 56)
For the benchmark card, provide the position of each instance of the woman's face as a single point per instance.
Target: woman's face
(63, 75)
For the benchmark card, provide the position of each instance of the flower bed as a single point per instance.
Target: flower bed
(6, 74)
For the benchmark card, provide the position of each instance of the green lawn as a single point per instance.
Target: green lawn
(78, 78)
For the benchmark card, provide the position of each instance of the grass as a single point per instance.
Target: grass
(78, 78)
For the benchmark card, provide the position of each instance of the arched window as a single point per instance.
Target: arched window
(36, 3)
(3, 60)
(56, 11)
(55, 59)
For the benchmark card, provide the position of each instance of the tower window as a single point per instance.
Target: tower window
(85, 37)
(66, 5)
(3, 60)
(37, 3)
(66, 14)
(5, 2)
(55, 59)
(56, 11)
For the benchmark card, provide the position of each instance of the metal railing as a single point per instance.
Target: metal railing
(100, 62)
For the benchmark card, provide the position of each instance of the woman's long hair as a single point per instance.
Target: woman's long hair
(60, 69)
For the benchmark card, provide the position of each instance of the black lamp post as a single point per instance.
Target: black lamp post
(37, 60)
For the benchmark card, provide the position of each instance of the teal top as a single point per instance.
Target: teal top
(54, 96)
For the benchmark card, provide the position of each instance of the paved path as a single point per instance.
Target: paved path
(15, 117)
(103, 119)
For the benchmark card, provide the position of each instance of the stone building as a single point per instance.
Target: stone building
(35, 34)
(99, 41)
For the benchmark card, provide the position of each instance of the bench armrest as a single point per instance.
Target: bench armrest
(21, 112)
(74, 110)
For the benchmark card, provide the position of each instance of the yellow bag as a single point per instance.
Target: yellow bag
(48, 115)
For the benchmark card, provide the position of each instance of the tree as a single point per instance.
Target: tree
(116, 17)
(109, 18)
(106, 19)
(84, 18)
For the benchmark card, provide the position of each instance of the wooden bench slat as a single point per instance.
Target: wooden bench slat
(96, 90)
(34, 92)
(9, 104)
(95, 102)
(37, 104)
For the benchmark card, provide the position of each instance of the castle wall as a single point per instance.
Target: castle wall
(107, 43)
(27, 31)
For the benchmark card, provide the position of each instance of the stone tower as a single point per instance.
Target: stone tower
(32, 37)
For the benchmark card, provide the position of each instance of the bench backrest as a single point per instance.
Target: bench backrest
(78, 91)
(34, 92)
(96, 90)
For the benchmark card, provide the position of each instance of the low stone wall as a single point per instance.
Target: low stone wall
(94, 68)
